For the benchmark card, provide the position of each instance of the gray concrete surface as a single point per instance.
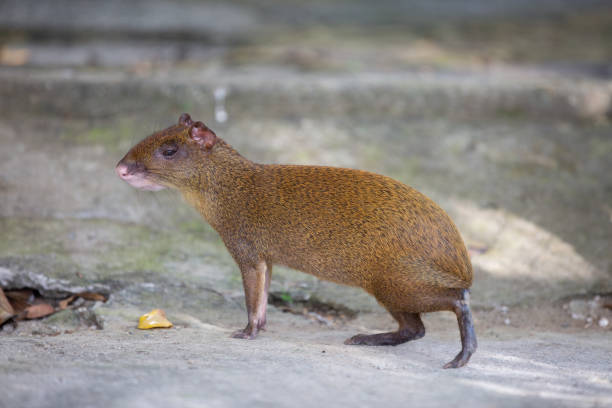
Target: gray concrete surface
(500, 111)
(294, 364)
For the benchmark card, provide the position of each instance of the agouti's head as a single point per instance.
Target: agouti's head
(169, 158)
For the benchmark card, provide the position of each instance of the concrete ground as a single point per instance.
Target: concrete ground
(298, 364)
(499, 111)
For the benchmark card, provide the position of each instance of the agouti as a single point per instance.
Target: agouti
(346, 226)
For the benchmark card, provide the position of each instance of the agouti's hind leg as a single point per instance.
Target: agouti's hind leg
(410, 328)
(466, 329)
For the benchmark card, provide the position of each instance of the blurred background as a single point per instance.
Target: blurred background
(498, 110)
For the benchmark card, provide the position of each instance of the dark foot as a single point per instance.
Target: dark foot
(460, 360)
(244, 334)
(248, 332)
(384, 339)
(411, 328)
(466, 330)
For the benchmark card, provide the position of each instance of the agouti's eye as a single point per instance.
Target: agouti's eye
(168, 152)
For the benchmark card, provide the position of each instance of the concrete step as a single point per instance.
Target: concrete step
(495, 92)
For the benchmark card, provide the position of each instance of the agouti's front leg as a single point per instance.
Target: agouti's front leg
(256, 281)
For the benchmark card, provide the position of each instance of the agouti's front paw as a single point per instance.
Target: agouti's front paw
(246, 333)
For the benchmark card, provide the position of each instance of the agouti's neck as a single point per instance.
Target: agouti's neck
(223, 168)
(218, 184)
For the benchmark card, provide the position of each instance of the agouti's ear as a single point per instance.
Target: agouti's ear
(185, 120)
(202, 135)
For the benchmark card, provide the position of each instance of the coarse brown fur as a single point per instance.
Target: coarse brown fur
(347, 226)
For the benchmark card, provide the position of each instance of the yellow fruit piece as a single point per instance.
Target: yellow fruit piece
(155, 318)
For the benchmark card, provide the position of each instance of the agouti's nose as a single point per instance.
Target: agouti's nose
(122, 171)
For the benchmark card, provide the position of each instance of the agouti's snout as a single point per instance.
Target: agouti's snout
(135, 175)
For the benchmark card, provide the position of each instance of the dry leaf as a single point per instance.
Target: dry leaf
(154, 319)
(63, 304)
(39, 310)
(6, 310)
(5, 304)
(20, 299)
(4, 316)
(93, 296)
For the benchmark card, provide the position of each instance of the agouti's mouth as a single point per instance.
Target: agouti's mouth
(135, 178)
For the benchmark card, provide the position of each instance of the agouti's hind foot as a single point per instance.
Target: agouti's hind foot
(384, 339)
(411, 328)
(460, 360)
(466, 330)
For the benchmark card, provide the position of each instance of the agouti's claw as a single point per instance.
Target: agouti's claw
(459, 361)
